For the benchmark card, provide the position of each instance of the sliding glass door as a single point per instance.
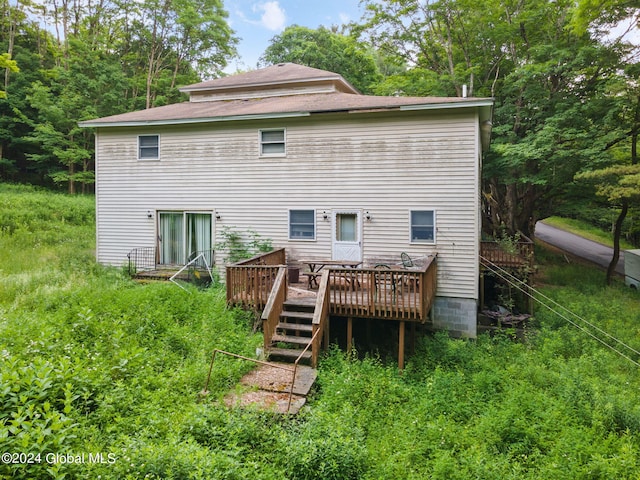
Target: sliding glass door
(199, 235)
(183, 235)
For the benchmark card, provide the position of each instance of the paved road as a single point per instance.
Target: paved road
(578, 246)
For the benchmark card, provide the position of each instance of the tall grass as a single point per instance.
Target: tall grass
(91, 362)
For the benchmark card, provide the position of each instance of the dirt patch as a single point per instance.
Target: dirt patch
(268, 386)
(264, 400)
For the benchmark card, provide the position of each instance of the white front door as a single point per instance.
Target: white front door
(347, 235)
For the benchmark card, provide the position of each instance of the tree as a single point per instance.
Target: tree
(543, 75)
(175, 36)
(95, 58)
(616, 177)
(326, 50)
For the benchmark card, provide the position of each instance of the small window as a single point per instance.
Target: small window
(302, 225)
(148, 147)
(423, 226)
(272, 142)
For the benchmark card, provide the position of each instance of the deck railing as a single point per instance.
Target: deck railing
(394, 294)
(274, 257)
(274, 307)
(320, 322)
(249, 282)
(518, 254)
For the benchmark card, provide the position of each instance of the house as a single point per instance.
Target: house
(299, 156)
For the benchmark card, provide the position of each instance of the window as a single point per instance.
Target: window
(272, 142)
(423, 226)
(148, 147)
(302, 225)
(347, 227)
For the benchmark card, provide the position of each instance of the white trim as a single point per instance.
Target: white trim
(442, 105)
(435, 224)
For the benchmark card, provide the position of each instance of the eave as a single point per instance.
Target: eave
(186, 121)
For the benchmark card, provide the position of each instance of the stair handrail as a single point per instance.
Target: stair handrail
(295, 365)
(205, 390)
(274, 307)
(320, 315)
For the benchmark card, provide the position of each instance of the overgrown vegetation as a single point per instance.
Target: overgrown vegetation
(93, 363)
(242, 245)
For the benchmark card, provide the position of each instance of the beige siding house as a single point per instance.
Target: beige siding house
(299, 156)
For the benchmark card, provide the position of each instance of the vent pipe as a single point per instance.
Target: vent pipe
(464, 91)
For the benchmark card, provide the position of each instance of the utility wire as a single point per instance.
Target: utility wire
(517, 283)
(517, 280)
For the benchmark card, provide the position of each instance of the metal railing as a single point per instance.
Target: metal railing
(292, 369)
(141, 259)
(203, 259)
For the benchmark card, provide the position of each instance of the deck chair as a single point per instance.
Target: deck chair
(407, 263)
(385, 282)
(406, 260)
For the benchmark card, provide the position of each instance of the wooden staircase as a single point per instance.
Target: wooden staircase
(293, 331)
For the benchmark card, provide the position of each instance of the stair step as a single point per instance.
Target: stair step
(291, 339)
(289, 354)
(304, 304)
(300, 327)
(297, 315)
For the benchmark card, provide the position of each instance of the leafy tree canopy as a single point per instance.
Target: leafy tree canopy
(326, 50)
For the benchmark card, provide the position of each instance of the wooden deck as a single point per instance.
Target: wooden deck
(518, 255)
(402, 295)
(398, 294)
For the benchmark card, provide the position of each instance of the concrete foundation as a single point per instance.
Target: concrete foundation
(456, 315)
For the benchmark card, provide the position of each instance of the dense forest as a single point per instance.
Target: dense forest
(564, 76)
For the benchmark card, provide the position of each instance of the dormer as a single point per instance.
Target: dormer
(283, 79)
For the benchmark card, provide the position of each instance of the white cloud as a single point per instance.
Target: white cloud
(273, 15)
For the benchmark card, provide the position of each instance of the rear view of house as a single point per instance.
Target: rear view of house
(299, 156)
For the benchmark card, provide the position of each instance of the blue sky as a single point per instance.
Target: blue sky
(256, 22)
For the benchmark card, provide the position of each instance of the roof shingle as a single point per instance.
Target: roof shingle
(283, 104)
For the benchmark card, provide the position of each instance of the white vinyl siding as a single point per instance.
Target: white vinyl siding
(387, 165)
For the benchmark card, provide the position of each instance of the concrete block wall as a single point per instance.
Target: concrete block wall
(456, 315)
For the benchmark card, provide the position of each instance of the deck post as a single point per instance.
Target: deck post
(349, 333)
(326, 336)
(401, 346)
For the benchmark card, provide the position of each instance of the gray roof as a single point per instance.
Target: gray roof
(344, 99)
(279, 74)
